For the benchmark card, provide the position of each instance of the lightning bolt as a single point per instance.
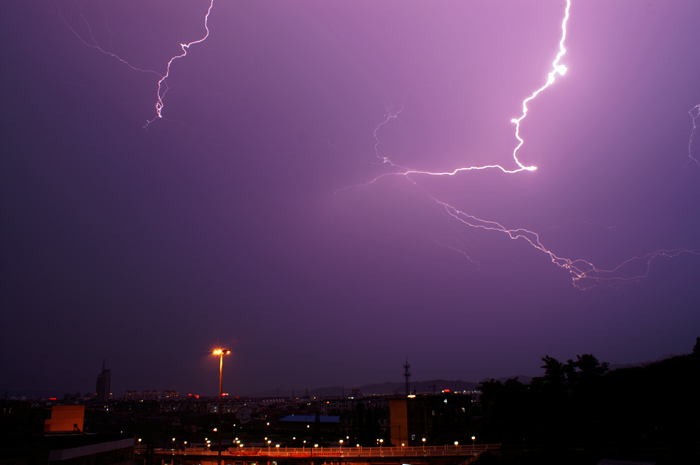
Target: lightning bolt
(93, 43)
(557, 70)
(584, 274)
(162, 81)
(694, 114)
(162, 87)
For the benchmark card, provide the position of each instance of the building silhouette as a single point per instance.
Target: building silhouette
(104, 383)
(407, 375)
(416, 420)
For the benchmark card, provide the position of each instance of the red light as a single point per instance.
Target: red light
(52, 398)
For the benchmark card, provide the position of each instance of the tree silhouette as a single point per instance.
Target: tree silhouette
(554, 373)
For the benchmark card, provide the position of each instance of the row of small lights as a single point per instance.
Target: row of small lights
(380, 441)
(240, 444)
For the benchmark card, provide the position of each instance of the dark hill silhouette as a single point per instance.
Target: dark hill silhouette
(421, 387)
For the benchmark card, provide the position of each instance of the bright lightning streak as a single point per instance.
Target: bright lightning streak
(162, 87)
(694, 114)
(584, 273)
(162, 82)
(557, 69)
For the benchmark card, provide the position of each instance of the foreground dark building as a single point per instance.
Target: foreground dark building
(53, 435)
(419, 419)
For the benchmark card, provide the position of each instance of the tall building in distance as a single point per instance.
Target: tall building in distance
(407, 375)
(104, 383)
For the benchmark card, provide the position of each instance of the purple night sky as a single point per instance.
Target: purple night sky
(245, 217)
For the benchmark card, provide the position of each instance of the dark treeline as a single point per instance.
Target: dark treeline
(580, 403)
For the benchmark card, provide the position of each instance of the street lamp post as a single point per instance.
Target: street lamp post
(473, 442)
(220, 353)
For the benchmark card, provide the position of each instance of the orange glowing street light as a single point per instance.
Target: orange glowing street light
(220, 353)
